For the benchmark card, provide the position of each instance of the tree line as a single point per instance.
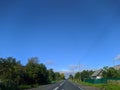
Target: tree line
(107, 72)
(14, 75)
(111, 72)
(81, 76)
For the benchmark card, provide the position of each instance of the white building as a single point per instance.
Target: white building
(97, 74)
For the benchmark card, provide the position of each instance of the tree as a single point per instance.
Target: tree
(77, 76)
(70, 76)
(41, 74)
(51, 75)
(13, 74)
(85, 74)
(37, 73)
(9, 73)
(33, 60)
(62, 76)
(57, 76)
(111, 72)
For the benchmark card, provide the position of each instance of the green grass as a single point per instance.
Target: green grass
(25, 87)
(109, 86)
(22, 87)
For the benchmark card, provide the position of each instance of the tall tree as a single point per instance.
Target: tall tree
(9, 73)
(85, 74)
(77, 76)
(62, 76)
(111, 72)
(51, 75)
(70, 76)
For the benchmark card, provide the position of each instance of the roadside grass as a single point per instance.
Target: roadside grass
(25, 87)
(110, 85)
(22, 87)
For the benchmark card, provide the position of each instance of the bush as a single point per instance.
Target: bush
(28, 86)
(24, 86)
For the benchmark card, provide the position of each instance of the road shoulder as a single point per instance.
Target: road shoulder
(86, 87)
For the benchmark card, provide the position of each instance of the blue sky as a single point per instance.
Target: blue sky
(61, 33)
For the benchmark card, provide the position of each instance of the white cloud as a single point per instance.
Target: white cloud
(49, 62)
(73, 67)
(117, 57)
(77, 67)
(67, 72)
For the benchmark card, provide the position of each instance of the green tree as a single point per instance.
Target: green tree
(77, 76)
(86, 74)
(57, 76)
(70, 76)
(41, 74)
(62, 76)
(10, 72)
(37, 73)
(13, 74)
(111, 72)
(51, 75)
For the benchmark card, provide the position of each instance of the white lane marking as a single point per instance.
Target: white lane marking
(61, 84)
(56, 88)
(80, 88)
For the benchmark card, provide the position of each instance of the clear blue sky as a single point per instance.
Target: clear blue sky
(61, 32)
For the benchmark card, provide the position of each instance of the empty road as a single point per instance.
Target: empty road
(63, 85)
(66, 85)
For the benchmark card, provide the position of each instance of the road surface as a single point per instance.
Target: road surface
(66, 85)
(63, 85)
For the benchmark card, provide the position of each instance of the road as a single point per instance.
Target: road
(66, 85)
(63, 85)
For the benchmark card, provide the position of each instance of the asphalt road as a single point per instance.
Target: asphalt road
(66, 85)
(63, 85)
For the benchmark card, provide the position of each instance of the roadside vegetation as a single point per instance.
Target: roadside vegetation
(15, 76)
(111, 75)
(103, 86)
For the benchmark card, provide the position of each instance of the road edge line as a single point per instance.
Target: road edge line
(56, 88)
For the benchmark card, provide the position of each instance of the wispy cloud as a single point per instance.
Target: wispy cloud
(77, 67)
(73, 67)
(117, 57)
(49, 62)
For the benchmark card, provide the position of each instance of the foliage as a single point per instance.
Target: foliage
(13, 75)
(57, 76)
(10, 72)
(108, 86)
(70, 76)
(86, 74)
(111, 72)
(51, 75)
(62, 76)
(77, 76)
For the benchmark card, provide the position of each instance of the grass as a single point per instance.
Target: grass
(22, 87)
(110, 85)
